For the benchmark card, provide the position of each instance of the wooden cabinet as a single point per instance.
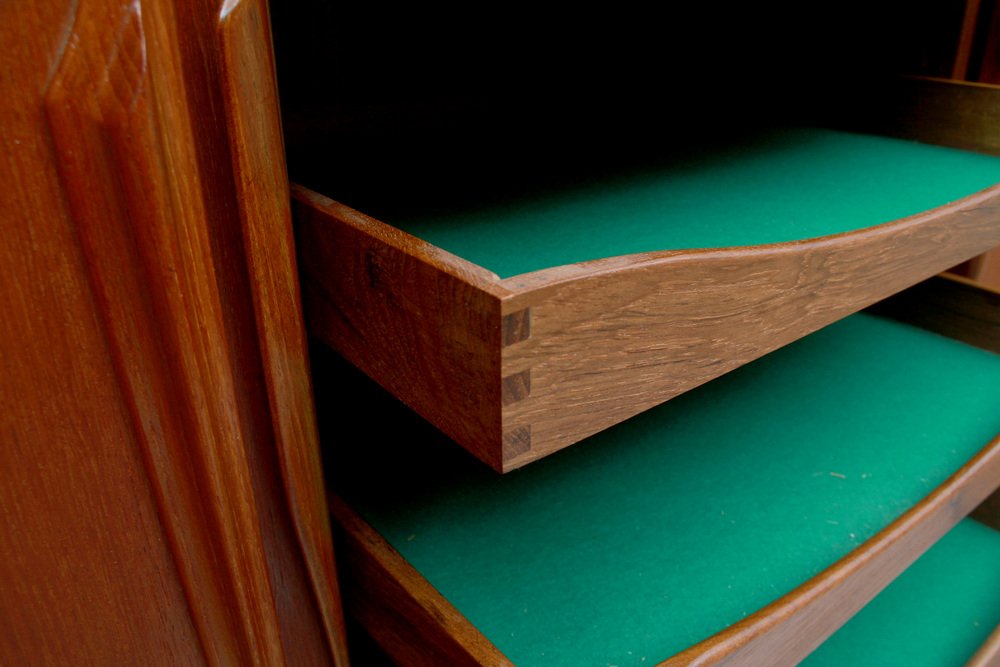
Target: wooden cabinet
(163, 498)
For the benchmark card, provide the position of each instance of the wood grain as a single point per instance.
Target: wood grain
(144, 516)
(102, 117)
(253, 121)
(612, 338)
(83, 550)
(421, 322)
(600, 341)
(409, 619)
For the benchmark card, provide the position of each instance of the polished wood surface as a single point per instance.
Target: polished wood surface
(250, 96)
(83, 549)
(584, 346)
(145, 519)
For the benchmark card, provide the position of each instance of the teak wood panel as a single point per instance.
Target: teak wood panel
(540, 361)
(144, 517)
(413, 621)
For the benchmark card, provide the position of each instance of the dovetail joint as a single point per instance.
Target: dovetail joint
(515, 387)
(516, 442)
(516, 327)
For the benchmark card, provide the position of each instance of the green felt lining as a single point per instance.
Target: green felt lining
(936, 614)
(632, 545)
(781, 185)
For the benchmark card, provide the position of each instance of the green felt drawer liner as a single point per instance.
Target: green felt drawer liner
(936, 614)
(774, 186)
(665, 529)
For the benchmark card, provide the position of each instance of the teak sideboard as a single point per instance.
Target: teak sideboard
(189, 479)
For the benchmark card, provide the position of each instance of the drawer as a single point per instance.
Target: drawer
(520, 319)
(751, 516)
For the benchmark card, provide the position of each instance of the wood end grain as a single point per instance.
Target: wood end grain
(516, 327)
(516, 387)
(516, 441)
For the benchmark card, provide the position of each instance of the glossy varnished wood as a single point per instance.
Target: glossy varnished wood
(83, 549)
(584, 346)
(145, 519)
(253, 120)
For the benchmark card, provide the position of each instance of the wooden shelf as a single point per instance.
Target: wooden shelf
(756, 513)
(519, 367)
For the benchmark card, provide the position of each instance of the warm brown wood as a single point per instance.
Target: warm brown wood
(967, 34)
(612, 338)
(989, 65)
(584, 346)
(985, 269)
(253, 120)
(988, 654)
(988, 511)
(83, 548)
(786, 631)
(409, 619)
(937, 111)
(144, 516)
(951, 305)
(421, 322)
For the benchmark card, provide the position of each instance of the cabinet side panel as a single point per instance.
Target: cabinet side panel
(88, 572)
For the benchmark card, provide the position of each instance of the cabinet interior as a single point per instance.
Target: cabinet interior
(386, 97)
